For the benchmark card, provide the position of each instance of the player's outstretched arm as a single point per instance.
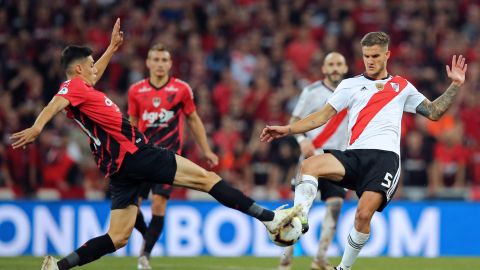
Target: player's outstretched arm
(434, 110)
(310, 122)
(306, 146)
(115, 42)
(27, 136)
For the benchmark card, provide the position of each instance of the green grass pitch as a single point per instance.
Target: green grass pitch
(251, 263)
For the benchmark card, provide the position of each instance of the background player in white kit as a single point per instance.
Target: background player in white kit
(370, 165)
(333, 135)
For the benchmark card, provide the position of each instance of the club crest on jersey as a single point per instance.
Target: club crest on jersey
(395, 86)
(379, 86)
(156, 102)
(63, 91)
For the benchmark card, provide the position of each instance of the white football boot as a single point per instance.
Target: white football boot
(49, 263)
(143, 263)
(282, 218)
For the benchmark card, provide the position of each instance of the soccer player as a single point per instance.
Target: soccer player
(156, 106)
(370, 165)
(123, 154)
(331, 136)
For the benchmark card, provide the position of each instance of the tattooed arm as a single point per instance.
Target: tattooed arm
(434, 110)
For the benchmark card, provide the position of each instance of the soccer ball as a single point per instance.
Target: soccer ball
(287, 235)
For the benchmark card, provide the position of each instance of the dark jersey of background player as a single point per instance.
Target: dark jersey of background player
(160, 110)
(157, 105)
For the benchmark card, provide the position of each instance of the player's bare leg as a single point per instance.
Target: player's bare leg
(329, 227)
(121, 226)
(314, 167)
(286, 258)
(154, 230)
(369, 202)
(140, 224)
(192, 176)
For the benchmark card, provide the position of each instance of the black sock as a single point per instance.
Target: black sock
(90, 251)
(140, 224)
(234, 198)
(153, 233)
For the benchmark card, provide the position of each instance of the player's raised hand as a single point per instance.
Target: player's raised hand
(24, 137)
(271, 133)
(117, 36)
(458, 70)
(211, 158)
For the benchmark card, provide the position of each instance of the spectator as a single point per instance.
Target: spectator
(449, 161)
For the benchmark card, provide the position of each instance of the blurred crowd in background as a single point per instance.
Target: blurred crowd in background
(247, 61)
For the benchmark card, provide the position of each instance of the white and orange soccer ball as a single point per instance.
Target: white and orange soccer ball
(289, 234)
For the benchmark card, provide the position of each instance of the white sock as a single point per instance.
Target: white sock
(305, 192)
(356, 240)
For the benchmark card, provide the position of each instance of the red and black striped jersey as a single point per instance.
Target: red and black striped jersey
(160, 110)
(111, 134)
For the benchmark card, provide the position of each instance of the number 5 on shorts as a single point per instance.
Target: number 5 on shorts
(387, 180)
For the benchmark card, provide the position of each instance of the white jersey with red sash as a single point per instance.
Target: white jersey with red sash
(375, 109)
(332, 135)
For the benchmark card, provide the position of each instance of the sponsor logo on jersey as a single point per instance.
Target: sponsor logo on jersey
(157, 118)
(144, 89)
(108, 102)
(156, 102)
(379, 86)
(63, 91)
(171, 88)
(364, 89)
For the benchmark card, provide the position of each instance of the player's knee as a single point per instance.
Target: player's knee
(120, 240)
(209, 180)
(121, 243)
(363, 216)
(308, 167)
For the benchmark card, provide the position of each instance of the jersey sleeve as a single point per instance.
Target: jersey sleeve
(414, 99)
(303, 104)
(188, 101)
(340, 98)
(74, 91)
(132, 103)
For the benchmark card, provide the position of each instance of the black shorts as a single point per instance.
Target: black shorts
(150, 164)
(157, 189)
(370, 170)
(329, 189)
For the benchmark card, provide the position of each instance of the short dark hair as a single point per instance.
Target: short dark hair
(72, 53)
(159, 47)
(375, 38)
